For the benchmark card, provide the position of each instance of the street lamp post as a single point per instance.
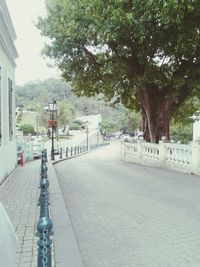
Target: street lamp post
(37, 123)
(85, 128)
(52, 123)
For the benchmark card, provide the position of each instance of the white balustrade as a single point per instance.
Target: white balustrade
(150, 152)
(130, 151)
(180, 157)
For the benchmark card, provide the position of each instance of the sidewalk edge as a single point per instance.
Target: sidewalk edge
(66, 250)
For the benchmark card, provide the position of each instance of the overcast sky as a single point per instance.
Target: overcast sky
(30, 64)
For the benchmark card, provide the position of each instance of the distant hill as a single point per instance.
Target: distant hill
(40, 93)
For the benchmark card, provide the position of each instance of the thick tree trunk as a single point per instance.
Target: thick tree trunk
(155, 108)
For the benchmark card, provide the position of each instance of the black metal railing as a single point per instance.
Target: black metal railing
(44, 226)
(72, 151)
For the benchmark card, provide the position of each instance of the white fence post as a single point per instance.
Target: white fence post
(162, 150)
(196, 156)
(140, 152)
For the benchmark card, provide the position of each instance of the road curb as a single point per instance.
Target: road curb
(66, 250)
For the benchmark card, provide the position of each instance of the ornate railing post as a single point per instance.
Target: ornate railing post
(43, 170)
(44, 198)
(44, 231)
(71, 151)
(45, 154)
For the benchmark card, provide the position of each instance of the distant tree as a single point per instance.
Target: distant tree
(182, 133)
(109, 126)
(40, 105)
(66, 113)
(42, 90)
(35, 94)
(26, 128)
(76, 125)
(130, 121)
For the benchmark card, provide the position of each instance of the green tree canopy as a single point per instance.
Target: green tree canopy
(109, 126)
(26, 128)
(182, 133)
(66, 113)
(130, 122)
(144, 54)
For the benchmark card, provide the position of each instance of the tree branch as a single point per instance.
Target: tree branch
(92, 57)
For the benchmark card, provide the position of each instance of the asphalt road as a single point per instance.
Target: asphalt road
(125, 214)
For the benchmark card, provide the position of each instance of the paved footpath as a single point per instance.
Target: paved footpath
(128, 215)
(19, 195)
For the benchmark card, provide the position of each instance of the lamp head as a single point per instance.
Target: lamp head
(53, 105)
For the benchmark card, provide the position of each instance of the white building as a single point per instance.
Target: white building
(8, 54)
(92, 121)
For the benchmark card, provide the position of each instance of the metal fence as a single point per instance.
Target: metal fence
(44, 226)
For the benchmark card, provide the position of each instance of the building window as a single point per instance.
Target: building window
(10, 108)
(0, 110)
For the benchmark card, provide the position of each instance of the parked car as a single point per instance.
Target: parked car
(126, 138)
(36, 150)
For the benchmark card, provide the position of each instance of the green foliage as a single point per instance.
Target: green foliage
(26, 128)
(109, 126)
(33, 93)
(190, 107)
(66, 112)
(94, 43)
(181, 133)
(76, 125)
(130, 121)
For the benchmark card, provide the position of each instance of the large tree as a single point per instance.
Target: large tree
(142, 53)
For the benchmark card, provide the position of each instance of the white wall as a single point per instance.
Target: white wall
(8, 159)
(7, 72)
(8, 150)
(8, 54)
